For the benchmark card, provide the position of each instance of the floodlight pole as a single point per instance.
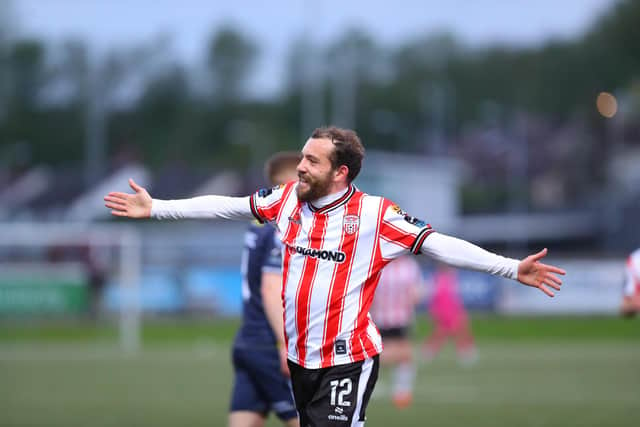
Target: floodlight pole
(94, 120)
(130, 258)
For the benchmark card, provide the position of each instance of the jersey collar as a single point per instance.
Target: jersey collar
(341, 200)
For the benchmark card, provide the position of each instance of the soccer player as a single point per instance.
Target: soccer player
(259, 353)
(450, 319)
(631, 292)
(337, 239)
(393, 311)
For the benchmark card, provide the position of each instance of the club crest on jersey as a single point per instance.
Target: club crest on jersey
(351, 223)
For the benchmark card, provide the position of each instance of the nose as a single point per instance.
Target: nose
(301, 167)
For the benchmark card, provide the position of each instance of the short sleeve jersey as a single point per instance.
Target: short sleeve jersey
(332, 260)
(262, 253)
(632, 274)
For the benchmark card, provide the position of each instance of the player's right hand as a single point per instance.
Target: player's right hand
(284, 367)
(137, 205)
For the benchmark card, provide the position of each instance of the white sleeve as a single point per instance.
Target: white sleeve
(462, 254)
(203, 207)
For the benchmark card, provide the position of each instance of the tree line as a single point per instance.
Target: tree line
(422, 96)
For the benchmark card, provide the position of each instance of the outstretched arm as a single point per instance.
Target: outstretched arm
(462, 254)
(141, 205)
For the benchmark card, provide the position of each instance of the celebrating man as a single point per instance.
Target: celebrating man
(336, 241)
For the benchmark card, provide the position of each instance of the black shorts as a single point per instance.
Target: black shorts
(394, 333)
(335, 396)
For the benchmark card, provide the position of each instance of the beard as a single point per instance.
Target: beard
(315, 187)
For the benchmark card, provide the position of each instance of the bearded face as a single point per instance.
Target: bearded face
(313, 186)
(316, 175)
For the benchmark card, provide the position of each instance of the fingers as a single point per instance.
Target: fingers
(546, 290)
(553, 278)
(116, 206)
(120, 203)
(552, 284)
(134, 186)
(116, 199)
(539, 255)
(553, 269)
(117, 195)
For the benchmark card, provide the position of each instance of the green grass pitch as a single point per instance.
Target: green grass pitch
(531, 372)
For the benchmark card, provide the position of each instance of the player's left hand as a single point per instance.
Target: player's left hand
(532, 272)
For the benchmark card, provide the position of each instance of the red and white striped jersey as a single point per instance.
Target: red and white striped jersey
(332, 261)
(397, 294)
(632, 274)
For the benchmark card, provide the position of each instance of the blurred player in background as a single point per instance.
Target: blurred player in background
(261, 381)
(631, 293)
(94, 261)
(450, 319)
(399, 290)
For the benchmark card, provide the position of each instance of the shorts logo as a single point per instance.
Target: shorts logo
(341, 417)
(351, 223)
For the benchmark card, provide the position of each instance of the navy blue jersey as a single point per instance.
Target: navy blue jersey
(262, 253)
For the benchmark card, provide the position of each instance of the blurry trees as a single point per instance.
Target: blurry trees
(6, 36)
(230, 58)
(26, 64)
(429, 95)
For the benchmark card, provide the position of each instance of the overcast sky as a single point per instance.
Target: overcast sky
(274, 24)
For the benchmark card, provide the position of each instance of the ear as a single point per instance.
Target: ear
(342, 173)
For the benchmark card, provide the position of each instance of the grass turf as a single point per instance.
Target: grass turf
(531, 372)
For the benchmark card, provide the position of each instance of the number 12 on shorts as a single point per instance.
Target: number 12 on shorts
(341, 388)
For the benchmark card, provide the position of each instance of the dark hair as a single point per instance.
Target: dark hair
(347, 148)
(279, 162)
